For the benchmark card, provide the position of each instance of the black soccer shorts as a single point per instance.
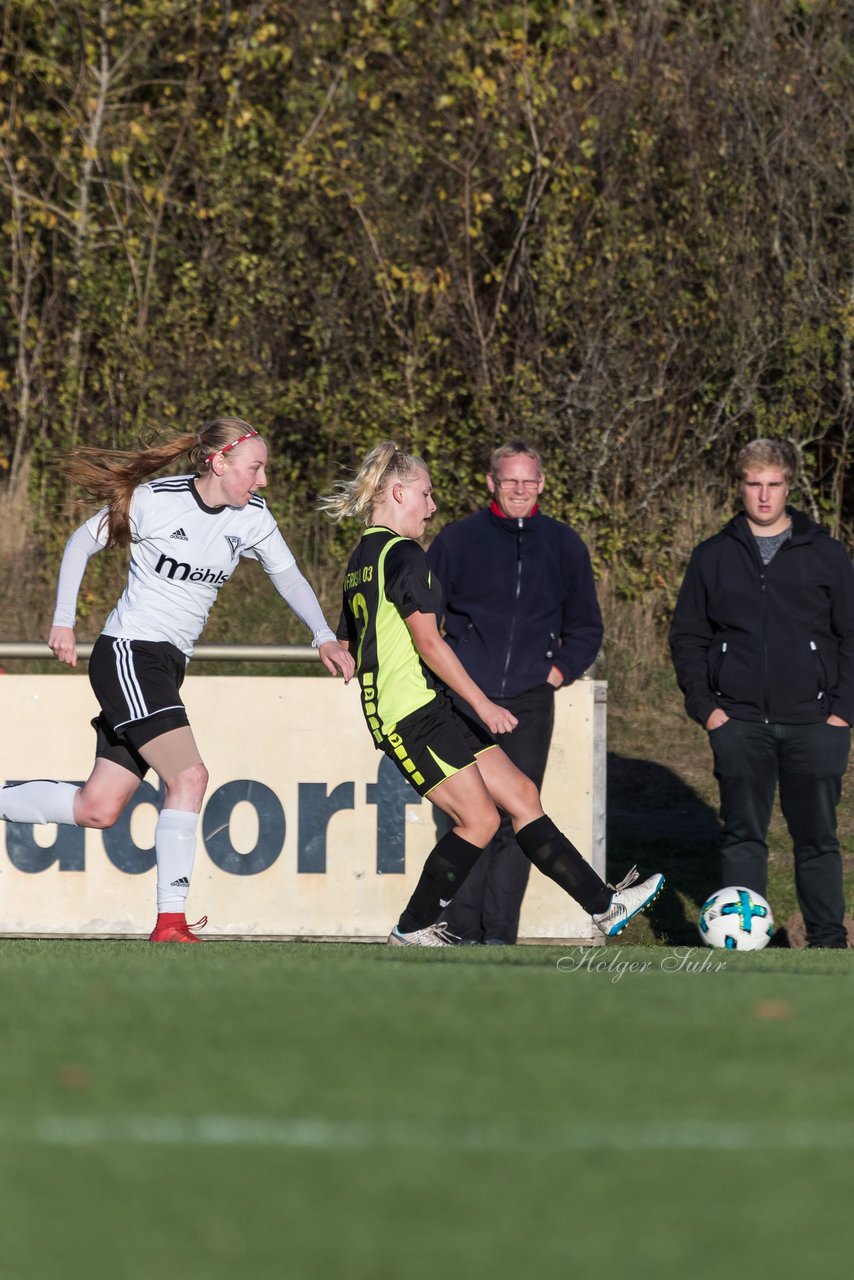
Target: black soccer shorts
(136, 682)
(433, 743)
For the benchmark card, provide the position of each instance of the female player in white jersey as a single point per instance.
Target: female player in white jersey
(389, 621)
(186, 534)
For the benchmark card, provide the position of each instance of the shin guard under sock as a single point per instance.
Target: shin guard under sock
(175, 847)
(554, 855)
(38, 801)
(444, 871)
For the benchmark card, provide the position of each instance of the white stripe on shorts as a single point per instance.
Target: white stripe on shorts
(179, 706)
(128, 681)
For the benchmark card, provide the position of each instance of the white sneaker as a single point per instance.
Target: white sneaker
(627, 902)
(435, 935)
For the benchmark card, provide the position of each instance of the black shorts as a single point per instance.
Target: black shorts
(433, 743)
(136, 682)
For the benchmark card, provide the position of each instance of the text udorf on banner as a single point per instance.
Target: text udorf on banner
(306, 831)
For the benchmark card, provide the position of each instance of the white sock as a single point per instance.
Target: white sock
(39, 801)
(175, 846)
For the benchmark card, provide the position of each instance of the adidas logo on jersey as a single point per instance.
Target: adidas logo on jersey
(180, 535)
(182, 883)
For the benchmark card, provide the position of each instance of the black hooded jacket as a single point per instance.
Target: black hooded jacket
(772, 643)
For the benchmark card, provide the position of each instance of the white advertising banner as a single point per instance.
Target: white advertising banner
(306, 830)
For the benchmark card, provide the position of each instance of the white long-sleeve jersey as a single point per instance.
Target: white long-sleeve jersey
(182, 552)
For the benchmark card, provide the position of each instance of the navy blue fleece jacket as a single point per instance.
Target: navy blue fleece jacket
(518, 599)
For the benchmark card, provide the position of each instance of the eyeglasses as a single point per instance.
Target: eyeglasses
(528, 485)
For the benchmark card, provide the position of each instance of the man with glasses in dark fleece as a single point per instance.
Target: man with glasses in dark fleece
(520, 612)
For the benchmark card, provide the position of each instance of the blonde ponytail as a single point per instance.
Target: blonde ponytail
(383, 466)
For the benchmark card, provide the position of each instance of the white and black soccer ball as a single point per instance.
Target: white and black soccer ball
(736, 919)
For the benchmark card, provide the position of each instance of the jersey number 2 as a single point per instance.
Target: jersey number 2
(359, 605)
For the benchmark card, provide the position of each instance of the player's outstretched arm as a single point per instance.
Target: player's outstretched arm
(79, 549)
(442, 660)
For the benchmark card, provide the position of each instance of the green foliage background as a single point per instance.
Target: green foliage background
(622, 231)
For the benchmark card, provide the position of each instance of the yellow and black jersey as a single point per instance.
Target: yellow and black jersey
(388, 579)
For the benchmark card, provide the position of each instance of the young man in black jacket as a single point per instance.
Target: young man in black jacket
(762, 640)
(521, 614)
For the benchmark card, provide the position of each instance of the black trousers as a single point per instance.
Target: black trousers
(807, 762)
(487, 906)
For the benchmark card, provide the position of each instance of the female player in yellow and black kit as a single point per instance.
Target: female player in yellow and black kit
(389, 622)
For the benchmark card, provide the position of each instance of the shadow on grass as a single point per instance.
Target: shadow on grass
(657, 821)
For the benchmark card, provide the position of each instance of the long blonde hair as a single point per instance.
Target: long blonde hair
(111, 475)
(383, 466)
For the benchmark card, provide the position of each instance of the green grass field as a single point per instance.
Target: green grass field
(311, 1110)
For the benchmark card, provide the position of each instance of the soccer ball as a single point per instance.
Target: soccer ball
(736, 919)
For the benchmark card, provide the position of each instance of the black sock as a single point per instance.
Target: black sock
(558, 858)
(444, 871)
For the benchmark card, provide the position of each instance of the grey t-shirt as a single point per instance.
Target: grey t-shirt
(768, 547)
